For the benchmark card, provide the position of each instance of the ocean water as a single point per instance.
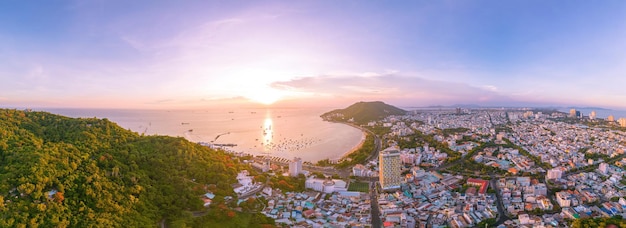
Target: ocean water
(285, 133)
(600, 113)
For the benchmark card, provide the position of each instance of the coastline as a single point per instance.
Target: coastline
(356, 147)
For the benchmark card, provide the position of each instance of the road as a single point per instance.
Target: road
(375, 211)
(501, 215)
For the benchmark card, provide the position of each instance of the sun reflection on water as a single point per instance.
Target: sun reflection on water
(268, 132)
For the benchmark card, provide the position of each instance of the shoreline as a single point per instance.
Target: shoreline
(356, 147)
(240, 153)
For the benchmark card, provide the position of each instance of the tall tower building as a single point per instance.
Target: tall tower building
(295, 167)
(611, 118)
(622, 122)
(603, 168)
(572, 113)
(592, 115)
(390, 165)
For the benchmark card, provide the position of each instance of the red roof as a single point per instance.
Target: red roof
(483, 184)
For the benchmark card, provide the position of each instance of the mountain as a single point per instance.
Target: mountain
(57, 171)
(590, 108)
(363, 112)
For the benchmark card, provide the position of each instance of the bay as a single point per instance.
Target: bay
(285, 133)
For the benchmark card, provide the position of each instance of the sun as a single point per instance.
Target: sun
(266, 96)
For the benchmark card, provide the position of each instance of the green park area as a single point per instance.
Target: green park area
(359, 187)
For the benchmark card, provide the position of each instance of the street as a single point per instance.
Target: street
(376, 221)
(501, 215)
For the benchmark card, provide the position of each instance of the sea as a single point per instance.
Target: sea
(600, 113)
(276, 132)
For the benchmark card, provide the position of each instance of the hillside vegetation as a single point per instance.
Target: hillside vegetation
(363, 112)
(65, 172)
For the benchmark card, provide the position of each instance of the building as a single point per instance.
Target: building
(611, 118)
(326, 185)
(572, 113)
(295, 167)
(390, 167)
(604, 168)
(622, 122)
(483, 184)
(362, 171)
(592, 115)
(554, 174)
(563, 198)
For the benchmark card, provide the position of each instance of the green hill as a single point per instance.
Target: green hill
(363, 112)
(65, 172)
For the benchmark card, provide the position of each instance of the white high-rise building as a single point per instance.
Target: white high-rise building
(554, 174)
(604, 168)
(622, 122)
(592, 115)
(563, 198)
(611, 118)
(295, 167)
(390, 169)
(572, 113)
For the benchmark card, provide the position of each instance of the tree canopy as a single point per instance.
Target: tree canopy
(87, 172)
(363, 112)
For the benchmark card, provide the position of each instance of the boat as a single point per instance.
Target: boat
(190, 130)
(184, 123)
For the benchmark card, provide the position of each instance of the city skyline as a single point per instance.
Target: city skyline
(115, 54)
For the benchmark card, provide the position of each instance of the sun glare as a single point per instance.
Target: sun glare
(265, 96)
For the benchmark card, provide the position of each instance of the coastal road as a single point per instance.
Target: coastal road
(377, 141)
(345, 173)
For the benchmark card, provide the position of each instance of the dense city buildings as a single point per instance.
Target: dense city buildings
(468, 168)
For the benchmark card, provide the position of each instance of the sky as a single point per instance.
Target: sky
(167, 54)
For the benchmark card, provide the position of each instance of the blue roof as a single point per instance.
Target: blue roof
(52, 192)
(607, 211)
(210, 195)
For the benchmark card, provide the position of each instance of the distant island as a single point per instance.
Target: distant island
(363, 112)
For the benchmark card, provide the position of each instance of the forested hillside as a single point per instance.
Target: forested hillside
(363, 112)
(64, 172)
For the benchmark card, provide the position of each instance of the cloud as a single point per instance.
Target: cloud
(398, 88)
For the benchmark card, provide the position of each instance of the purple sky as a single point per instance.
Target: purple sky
(164, 54)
